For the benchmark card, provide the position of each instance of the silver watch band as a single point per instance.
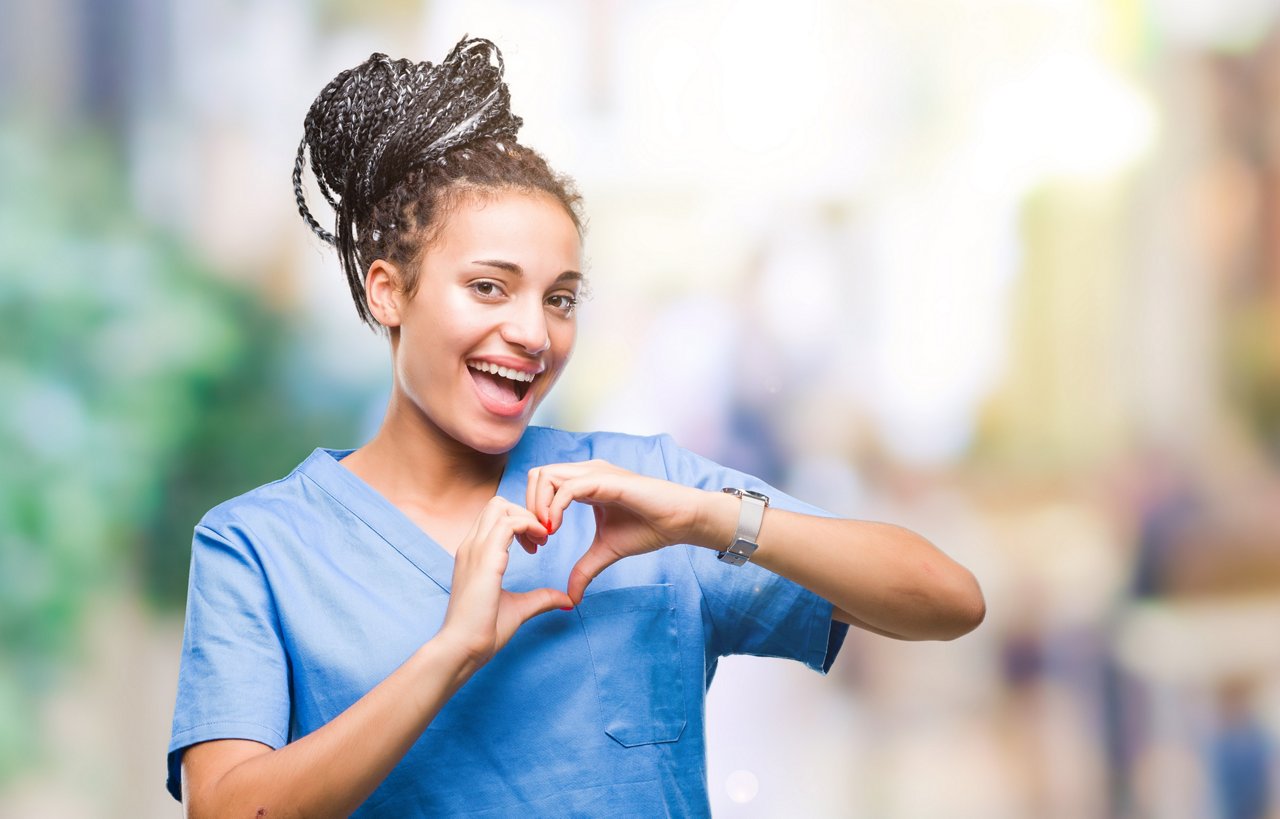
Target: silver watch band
(750, 518)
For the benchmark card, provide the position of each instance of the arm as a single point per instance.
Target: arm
(879, 577)
(332, 770)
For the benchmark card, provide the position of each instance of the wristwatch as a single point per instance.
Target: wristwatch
(750, 517)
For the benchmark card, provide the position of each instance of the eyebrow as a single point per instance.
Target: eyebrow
(512, 267)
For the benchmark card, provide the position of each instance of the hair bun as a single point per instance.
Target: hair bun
(375, 123)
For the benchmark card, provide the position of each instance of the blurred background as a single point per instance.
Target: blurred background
(1006, 272)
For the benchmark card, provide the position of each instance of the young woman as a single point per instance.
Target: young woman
(361, 637)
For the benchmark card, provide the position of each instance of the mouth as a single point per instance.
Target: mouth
(502, 389)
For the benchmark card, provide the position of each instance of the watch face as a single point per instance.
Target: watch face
(757, 495)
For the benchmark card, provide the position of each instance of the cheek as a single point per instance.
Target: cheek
(421, 359)
(563, 339)
(438, 330)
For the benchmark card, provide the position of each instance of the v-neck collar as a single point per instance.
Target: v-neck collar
(394, 526)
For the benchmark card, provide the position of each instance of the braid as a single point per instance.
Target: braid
(301, 197)
(388, 138)
(310, 137)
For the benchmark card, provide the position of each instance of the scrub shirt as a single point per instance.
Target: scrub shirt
(307, 592)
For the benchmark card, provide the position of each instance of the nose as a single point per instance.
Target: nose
(526, 327)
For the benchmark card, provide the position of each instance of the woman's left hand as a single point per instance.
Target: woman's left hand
(880, 577)
(634, 513)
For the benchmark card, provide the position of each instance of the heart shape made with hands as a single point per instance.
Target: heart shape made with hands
(634, 514)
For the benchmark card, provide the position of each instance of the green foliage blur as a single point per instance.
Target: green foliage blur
(140, 389)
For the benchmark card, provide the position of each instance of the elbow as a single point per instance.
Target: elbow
(941, 610)
(950, 605)
(966, 607)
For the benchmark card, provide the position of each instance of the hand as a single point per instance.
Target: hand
(482, 616)
(634, 514)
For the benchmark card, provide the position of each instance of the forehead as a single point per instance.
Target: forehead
(531, 229)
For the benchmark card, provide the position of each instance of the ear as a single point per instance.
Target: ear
(382, 289)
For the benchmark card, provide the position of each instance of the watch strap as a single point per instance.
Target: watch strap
(750, 519)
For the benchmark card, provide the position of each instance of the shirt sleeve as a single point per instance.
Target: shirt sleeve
(233, 682)
(748, 609)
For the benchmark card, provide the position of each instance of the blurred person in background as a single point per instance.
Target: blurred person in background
(359, 636)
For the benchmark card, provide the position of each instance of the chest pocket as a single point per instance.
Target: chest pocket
(635, 653)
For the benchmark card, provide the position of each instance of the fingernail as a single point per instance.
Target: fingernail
(566, 608)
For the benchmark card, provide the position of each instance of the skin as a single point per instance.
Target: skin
(496, 285)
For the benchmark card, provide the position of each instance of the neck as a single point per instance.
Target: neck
(412, 460)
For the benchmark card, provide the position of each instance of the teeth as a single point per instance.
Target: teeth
(514, 375)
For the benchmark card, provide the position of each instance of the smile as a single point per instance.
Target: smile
(503, 391)
(504, 372)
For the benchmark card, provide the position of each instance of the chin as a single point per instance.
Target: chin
(496, 442)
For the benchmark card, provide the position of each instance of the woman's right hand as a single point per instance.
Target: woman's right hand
(330, 771)
(482, 616)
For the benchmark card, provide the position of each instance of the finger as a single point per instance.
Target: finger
(472, 549)
(549, 477)
(530, 537)
(530, 528)
(586, 488)
(588, 568)
(519, 524)
(547, 482)
(493, 510)
(530, 541)
(532, 603)
(531, 491)
(482, 521)
(491, 547)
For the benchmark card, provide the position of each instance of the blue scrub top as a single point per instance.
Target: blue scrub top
(309, 591)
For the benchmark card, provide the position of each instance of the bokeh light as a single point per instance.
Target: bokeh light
(1004, 272)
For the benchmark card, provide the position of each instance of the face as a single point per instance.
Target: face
(491, 324)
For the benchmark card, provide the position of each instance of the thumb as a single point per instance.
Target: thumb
(526, 605)
(588, 567)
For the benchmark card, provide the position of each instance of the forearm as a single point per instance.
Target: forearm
(331, 771)
(878, 576)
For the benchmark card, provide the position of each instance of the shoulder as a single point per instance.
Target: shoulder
(658, 456)
(639, 453)
(281, 498)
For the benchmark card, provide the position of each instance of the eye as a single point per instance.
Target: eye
(563, 303)
(486, 289)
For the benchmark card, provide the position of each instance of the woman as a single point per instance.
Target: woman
(360, 636)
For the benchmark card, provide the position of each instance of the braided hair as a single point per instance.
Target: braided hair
(394, 144)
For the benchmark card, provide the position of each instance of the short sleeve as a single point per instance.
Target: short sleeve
(748, 609)
(233, 682)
